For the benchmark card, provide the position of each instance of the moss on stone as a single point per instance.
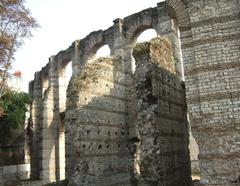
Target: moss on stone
(141, 48)
(159, 51)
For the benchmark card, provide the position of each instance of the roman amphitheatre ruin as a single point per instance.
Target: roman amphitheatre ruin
(125, 119)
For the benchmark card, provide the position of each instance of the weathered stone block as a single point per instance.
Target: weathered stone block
(12, 169)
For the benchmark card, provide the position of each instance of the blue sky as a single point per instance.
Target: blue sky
(64, 21)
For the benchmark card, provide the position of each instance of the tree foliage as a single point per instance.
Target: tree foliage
(16, 24)
(12, 122)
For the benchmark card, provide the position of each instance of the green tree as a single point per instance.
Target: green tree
(16, 24)
(12, 122)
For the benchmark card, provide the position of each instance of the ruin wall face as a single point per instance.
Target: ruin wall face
(96, 123)
(161, 117)
(101, 150)
(209, 41)
(211, 63)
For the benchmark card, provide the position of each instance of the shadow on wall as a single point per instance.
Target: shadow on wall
(53, 129)
(49, 100)
(100, 148)
(161, 116)
(194, 151)
(96, 125)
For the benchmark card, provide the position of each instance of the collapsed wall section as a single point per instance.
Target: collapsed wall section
(96, 129)
(161, 117)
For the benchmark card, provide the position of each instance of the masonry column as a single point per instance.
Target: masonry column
(124, 49)
(48, 129)
(70, 149)
(35, 109)
(168, 27)
(60, 90)
(76, 66)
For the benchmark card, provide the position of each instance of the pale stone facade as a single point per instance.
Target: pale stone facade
(104, 123)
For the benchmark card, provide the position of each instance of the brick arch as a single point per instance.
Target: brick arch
(96, 47)
(90, 44)
(178, 10)
(62, 59)
(139, 31)
(139, 22)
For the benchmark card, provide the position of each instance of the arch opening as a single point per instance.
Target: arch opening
(103, 51)
(45, 85)
(146, 35)
(68, 73)
(142, 35)
(65, 74)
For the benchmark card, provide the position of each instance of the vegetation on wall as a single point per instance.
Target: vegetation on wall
(14, 105)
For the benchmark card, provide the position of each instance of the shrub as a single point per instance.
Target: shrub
(14, 105)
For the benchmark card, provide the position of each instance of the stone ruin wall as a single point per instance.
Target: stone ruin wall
(210, 32)
(104, 151)
(161, 117)
(96, 118)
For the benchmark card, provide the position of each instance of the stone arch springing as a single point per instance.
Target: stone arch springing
(141, 31)
(93, 52)
(89, 46)
(178, 12)
(135, 26)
